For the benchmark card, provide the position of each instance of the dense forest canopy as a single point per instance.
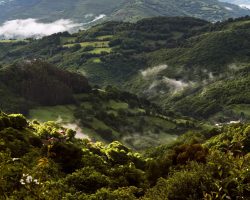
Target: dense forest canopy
(45, 161)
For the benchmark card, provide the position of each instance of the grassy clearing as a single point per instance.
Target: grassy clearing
(148, 140)
(100, 50)
(155, 121)
(137, 110)
(115, 113)
(12, 41)
(117, 105)
(70, 45)
(99, 47)
(99, 44)
(97, 124)
(65, 40)
(53, 113)
(150, 123)
(7, 41)
(96, 60)
(96, 44)
(105, 37)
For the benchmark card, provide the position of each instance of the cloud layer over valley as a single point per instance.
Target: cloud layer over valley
(25, 28)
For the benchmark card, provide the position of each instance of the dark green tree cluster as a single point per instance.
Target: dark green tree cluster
(40, 83)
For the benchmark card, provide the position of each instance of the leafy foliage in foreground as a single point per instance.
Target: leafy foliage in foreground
(45, 161)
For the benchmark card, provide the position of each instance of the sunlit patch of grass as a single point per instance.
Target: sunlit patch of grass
(64, 113)
(105, 37)
(95, 44)
(12, 41)
(96, 60)
(100, 50)
(117, 105)
(65, 40)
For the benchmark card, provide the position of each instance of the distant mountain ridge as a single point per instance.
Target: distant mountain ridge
(85, 11)
(241, 3)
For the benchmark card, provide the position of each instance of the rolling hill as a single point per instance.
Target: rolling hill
(45, 93)
(163, 59)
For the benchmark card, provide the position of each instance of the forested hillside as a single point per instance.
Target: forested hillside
(45, 161)
(221, 100)
(163, 59)
(32, 82)
(45, 93)
(188, 45)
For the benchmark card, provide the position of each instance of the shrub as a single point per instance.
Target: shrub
(87, 180)
(189, 152)
(68, 156)
(18, 121)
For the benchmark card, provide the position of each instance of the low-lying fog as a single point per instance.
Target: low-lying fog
(33, 28)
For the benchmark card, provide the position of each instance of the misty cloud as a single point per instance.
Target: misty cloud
(165, 85)
(5, 2)
(25, 28)
(153, 71)
(228, 8)
(175, 85)
(97, 18)
(247, 6)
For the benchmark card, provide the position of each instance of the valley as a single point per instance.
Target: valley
(48, 93)
(149, 100)
(171, 65)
